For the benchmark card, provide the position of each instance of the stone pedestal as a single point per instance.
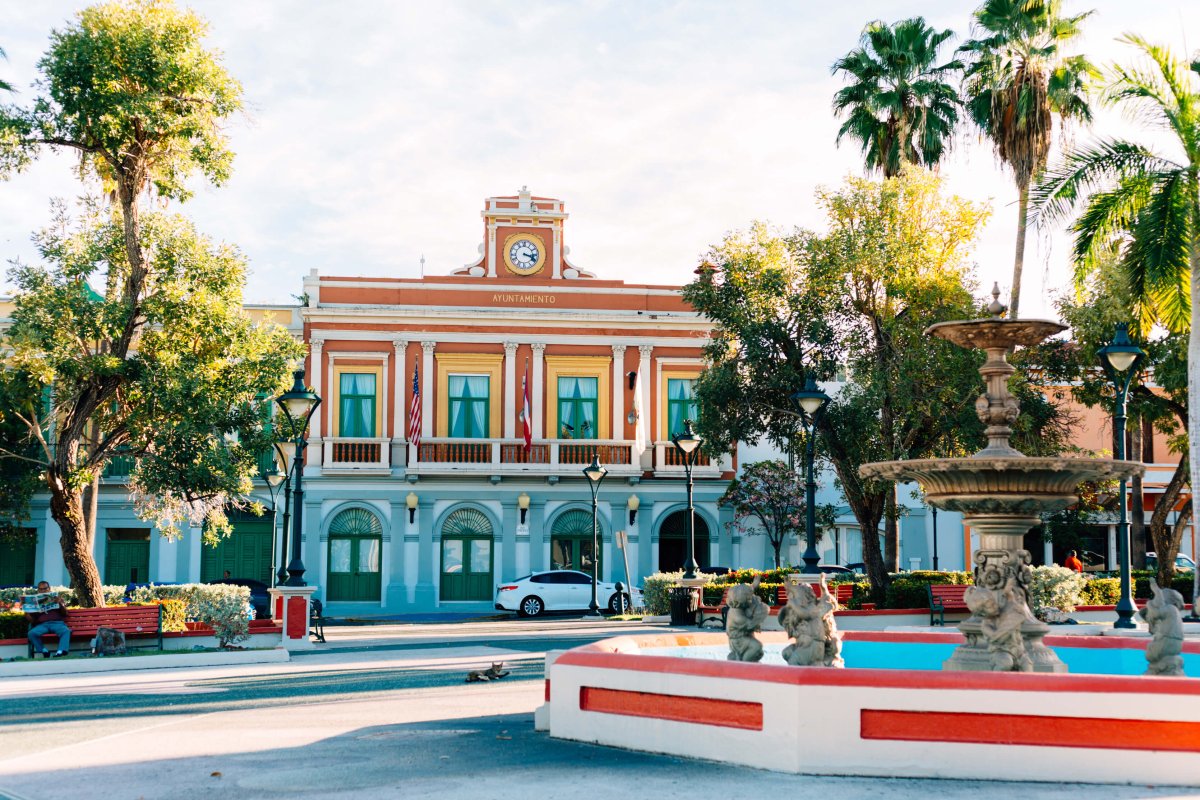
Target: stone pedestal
(291, 605)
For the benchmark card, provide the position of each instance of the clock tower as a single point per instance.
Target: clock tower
(523, 240)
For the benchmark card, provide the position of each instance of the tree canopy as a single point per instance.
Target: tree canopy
(771, 494)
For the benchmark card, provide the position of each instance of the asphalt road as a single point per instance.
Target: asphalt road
(388, 718)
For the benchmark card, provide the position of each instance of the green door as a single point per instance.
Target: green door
(467, 556)
(355, 554)
(18, 556)
(245, 553)
(127, 556)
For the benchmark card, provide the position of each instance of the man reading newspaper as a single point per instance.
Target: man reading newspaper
(47, 614)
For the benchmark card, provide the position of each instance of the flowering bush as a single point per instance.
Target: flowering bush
(224, 609)
(1053, 589)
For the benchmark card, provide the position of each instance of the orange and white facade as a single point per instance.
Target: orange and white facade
(607, 368)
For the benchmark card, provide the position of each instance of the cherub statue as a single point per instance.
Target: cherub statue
(1002, 612)
(829, 632)
(1163, 614)
(746, 615)
(801, 618)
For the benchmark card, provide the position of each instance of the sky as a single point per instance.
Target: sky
(373, 131)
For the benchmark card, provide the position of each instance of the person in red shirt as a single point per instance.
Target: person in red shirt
(52, 621)
(1073, 562)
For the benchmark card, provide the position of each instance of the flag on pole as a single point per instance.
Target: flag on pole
(414, 412)
(526, 422)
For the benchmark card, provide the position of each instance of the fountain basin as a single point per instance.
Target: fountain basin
(626, 692)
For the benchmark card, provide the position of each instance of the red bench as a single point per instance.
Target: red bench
(945, 597)
(133, 621)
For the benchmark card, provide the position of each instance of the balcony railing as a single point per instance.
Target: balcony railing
(509, 456)
(356, 455)
(669, 461)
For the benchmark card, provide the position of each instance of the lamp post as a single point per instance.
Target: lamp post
(595, 473)
(275, 478)
(284, 453)
(1120, 359)
(298, 404)
(688, 443)
(935, 558)
(812, 402)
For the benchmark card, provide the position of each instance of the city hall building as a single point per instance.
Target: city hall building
(457, 415)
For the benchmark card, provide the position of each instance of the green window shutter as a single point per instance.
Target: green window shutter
(681, 404)
(356, 405)
(577, 407)
(469, 405)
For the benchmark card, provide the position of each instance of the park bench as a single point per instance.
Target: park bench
(133, 621)
(945, 597)
(316, 620)
(843, 592)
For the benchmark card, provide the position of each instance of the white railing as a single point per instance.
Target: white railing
(357, 454)
(669, 461)
(509, 456)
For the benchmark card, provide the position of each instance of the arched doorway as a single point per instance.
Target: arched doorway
(571, 541)
(672, 541)
(467, 556)
(355, 552)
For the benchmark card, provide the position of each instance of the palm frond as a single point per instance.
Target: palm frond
(1157, 256)
(1083, 171)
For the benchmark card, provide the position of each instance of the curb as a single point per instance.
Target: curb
(77, 666)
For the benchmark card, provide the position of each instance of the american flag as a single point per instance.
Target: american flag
(414, 412)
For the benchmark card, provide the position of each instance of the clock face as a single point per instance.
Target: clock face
(524, 254)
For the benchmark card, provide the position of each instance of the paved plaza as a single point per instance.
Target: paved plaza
(381, 712)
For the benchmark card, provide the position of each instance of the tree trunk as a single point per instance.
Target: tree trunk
(1193, 426)
(66, 508)
(891, 531)
(1019, 260)
(1166, 539)
(1137, 500)
(777, 545)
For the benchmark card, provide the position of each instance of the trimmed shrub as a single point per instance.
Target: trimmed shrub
(656, 590)
(224, 609)
(1053, 587)
(13, 625)
(113, 595)
(1100, 592)
(1182, 583)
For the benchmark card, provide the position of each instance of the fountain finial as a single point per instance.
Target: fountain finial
(996, 308)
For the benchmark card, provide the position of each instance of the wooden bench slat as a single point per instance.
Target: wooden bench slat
(133, 621)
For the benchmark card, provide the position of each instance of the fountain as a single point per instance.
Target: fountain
(1001, 493)
(989, 702)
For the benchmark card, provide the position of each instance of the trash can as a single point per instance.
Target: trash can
(685, 601)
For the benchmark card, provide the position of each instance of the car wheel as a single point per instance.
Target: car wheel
(616, 602)
(532, 607)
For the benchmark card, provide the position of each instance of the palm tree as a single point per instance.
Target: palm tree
(1146, 206)
(898, 105)
(4, 85)
(1016, 80)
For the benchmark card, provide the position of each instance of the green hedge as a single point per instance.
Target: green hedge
(1100, 592)
(1182, 583)
(908, 588)
(13, 625)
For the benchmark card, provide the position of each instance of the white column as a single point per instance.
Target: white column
(427, 388)
(558, 249)
(643, 383)
(510, 389)
(1048, 553)
(491, 249)
(315, 345)
(1112, 548)
(618, 391)
(399, 429)
(535, 400)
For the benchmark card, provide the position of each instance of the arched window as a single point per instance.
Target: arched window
(467, 556)
(672, 541)
(571, 540)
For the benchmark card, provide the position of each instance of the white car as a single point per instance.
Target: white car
(560, 590)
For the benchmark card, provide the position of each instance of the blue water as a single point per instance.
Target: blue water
(901, 655)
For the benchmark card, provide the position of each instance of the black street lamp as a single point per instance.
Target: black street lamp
(298, 404)
(1120, 360)
(275, 478)
(812, 402)
(284, 453)
(595, 473)
(688, 443)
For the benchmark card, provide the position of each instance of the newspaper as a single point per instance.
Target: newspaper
(39, 603)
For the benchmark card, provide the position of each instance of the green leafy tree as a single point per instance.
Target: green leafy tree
(1145, 207)
(1017, 79)
(898, 104)
(163, 364)
(856, 299)
(768, 499)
